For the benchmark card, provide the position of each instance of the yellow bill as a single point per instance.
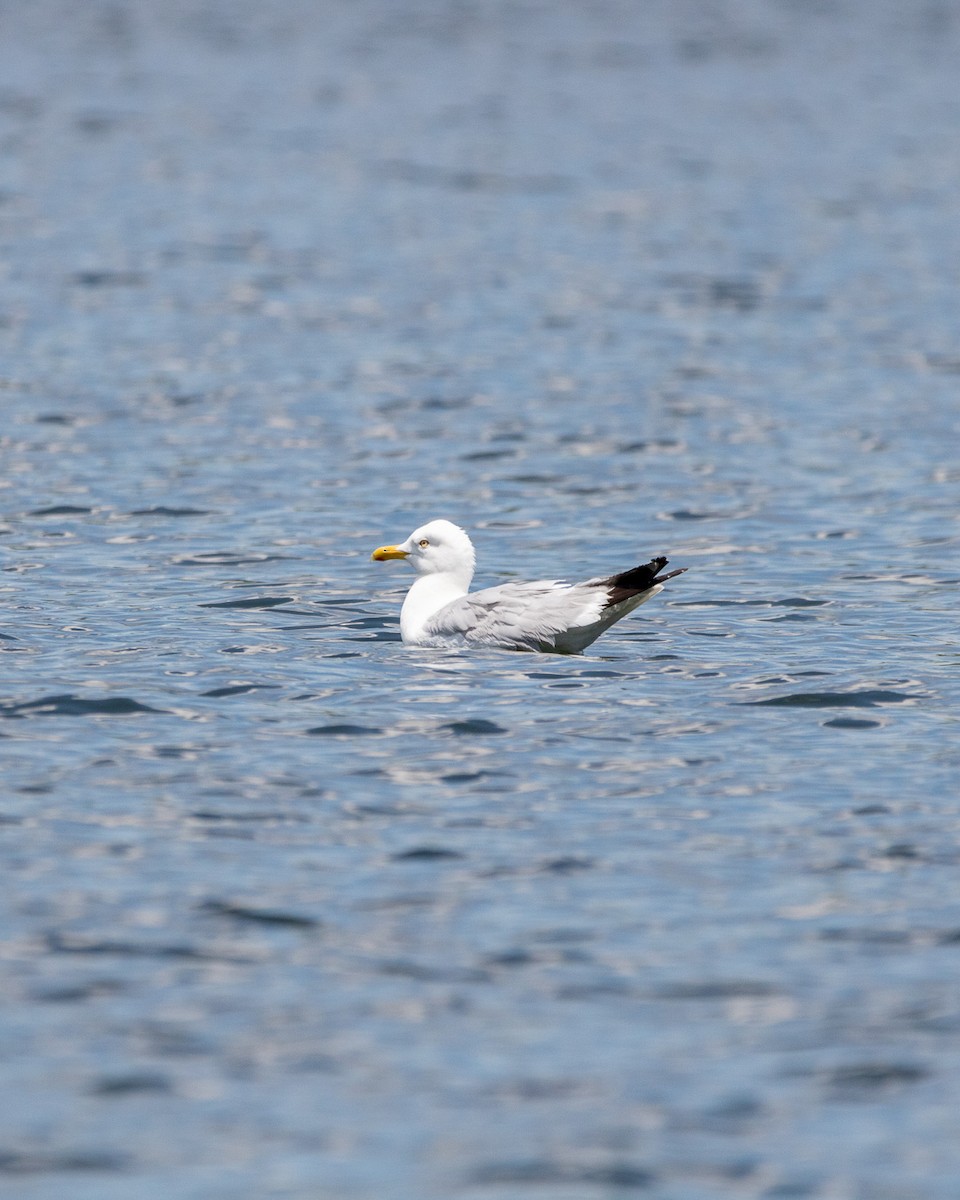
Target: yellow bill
(382, 553)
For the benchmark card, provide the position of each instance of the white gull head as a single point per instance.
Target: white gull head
(444, 558)
(437, 548)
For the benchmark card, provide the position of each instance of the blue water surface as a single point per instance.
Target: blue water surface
(290, 910)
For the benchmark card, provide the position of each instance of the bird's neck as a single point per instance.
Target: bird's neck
(428, 595)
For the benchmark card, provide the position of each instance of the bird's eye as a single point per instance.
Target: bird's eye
(423, 543)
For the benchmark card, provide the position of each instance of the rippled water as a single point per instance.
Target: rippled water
(293, 911)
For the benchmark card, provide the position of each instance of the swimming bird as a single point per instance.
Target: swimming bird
(547, 614)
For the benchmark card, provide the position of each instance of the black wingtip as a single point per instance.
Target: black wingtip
(670, 574)
(638, 579)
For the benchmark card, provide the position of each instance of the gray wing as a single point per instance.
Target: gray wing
(518, 616)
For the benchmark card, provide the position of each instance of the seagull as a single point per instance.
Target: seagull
(548, 614)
